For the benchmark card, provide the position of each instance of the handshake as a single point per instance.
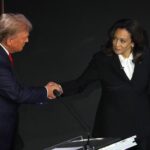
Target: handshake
(53, 90)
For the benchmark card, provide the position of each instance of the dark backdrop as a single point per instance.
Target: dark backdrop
(65, 36)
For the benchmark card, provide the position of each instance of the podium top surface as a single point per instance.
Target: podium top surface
(95, 143)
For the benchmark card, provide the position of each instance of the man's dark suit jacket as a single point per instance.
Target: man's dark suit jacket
(124, 108)
(11, 95)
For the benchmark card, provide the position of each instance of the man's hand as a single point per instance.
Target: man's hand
(50, 87)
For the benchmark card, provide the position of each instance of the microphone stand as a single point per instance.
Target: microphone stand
(88, 146)
(83, 124)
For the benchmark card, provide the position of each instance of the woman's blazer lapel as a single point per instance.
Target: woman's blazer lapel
(118, 67)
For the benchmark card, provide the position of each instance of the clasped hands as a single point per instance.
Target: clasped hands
(50, 87)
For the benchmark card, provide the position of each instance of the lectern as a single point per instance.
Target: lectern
(78, 143)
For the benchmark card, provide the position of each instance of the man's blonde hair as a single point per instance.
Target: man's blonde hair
(11, 24)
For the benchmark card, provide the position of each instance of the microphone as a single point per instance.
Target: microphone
(57, 93)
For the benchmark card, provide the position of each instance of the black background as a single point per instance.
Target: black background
(65, 36)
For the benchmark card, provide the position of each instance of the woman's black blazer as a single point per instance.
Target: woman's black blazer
(124, 107)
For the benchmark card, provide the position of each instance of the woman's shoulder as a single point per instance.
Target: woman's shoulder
(100, 55)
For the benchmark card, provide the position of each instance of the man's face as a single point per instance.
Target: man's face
(17, 42)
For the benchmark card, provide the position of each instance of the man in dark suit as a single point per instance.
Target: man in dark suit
(14, 32)
(122, 67)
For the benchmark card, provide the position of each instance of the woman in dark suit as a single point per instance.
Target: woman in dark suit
(123, 69)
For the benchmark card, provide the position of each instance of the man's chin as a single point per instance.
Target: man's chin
(20, 50)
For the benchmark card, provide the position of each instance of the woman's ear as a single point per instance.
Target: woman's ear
(132, 45)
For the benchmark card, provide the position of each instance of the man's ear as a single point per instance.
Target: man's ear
(8, 42)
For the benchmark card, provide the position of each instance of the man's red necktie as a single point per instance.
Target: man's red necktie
(11, 59)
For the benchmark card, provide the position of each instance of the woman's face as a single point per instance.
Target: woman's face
(122, 42)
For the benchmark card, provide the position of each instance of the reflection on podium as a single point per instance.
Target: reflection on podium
(78, 143)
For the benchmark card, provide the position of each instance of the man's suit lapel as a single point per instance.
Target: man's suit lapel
(5, 57)
(6, 60)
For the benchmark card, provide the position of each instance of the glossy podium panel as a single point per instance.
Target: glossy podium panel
(78, 143)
